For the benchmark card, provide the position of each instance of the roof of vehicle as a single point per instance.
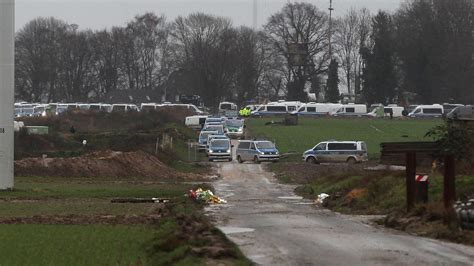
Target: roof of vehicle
(343, 141)
(208, 131)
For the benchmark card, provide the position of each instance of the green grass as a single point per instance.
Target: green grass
(39, 187)
(384, 194)
(172, 241)
(73, 244)
(311, 131)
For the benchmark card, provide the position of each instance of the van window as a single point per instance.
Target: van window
(417, 111)
(342, 146)
(311, 109)
(432, 111)
(276, 108)
(252, 146)
(301, 109)
(321, 147)
(226, 106)
(244, 145)
(350, 110)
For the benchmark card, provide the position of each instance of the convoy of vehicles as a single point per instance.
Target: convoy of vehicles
(217, 132)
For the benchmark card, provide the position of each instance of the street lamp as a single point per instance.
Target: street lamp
(7, 68)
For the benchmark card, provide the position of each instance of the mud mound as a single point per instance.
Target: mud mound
(101, 164)
(83, 220)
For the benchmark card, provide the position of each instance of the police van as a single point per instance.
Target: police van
(337, 151)
(317, 109)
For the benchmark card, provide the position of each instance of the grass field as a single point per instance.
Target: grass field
(311, 131)
(74, 244)
(71, 221)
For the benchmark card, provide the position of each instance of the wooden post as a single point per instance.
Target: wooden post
(410, 179)
(449, 182)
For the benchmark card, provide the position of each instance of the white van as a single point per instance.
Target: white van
(397, 111)
(190, 107)
(427, 111)
(123, 108)
(462, 113)
(195, 121)
(277, 108)
(227, 106)
(317, 109)
(145, 107)
(337, 151)
(352, 110)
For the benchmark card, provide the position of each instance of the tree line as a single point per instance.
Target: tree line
(422, 52)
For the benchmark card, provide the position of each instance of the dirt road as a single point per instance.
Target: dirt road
(274, 227)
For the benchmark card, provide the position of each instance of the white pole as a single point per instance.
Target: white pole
(7, 68)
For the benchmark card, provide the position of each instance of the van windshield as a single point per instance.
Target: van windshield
(226, 106)
(220, 143)
(265, 145)
(207, 133)
(234, 123)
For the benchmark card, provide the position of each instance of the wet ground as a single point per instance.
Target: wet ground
(273, 226)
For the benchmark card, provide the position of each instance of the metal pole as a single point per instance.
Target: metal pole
(255, 14)
(7, 68)
(410, 179)
(449, 182)
(330, 28)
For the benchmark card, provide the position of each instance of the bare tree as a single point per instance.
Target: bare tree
(300, 23)
(351, 35)
(205, 54)
(37, 64)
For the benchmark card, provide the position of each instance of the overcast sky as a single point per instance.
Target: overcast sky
(101, 14)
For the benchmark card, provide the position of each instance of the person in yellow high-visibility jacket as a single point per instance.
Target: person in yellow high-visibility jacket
(245, 112)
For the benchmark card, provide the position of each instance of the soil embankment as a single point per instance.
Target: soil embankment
(110, 164)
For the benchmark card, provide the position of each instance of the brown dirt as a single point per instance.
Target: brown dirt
(101, 164)
(84, 219)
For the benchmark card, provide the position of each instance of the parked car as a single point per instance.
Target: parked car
(337, 151)
(220, 149)
(427, 111)
(257, 151)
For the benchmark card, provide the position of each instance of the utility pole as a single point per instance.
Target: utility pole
(7, 68)
(255, 14)
(330, 28)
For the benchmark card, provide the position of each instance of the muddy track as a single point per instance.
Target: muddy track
(274, 227)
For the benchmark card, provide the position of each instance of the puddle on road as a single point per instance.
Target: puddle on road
(291, 198)
(235, 230)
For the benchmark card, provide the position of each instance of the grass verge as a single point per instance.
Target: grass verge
(311, 131)
(71, 221)
(353, 190)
